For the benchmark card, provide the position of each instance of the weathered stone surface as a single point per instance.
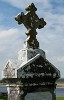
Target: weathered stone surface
(10, 70)
(25, 54)
(13, 92)
(31, 21)
(39, 96)
(38, 68)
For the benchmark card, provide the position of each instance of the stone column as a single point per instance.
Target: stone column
(21, 94)
(13, 92)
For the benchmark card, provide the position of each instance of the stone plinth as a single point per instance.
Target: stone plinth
(25, 54)
(13, 92)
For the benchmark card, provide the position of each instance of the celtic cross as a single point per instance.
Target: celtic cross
(31, 21)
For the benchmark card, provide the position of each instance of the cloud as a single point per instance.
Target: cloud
(9, 39)
(8, 33)
(10, 44)
(20, 3)
(60, 59)
(25, 3)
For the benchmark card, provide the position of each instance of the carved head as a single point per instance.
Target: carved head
(19, 18)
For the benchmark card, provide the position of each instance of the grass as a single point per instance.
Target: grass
(60, 98)
(57, 98)
(3, 98)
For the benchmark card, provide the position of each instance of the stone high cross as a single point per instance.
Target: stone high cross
(31, 21)
(32, 76)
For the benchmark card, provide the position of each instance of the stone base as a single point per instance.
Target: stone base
(16, 92)
(39, 93)
(39, 96)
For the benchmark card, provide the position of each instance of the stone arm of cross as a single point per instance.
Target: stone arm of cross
(29, 23)
(19, 18)
(42, 23)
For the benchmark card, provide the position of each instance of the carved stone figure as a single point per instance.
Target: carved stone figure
(31, 21)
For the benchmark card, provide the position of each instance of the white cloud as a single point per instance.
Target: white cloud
(9, 39)
(60, 59)
(8, 33)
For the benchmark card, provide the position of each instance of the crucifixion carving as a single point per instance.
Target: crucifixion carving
(31, 21)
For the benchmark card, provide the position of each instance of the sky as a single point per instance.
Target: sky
(51, 37)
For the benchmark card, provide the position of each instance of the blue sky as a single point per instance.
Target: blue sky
(51, 37)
